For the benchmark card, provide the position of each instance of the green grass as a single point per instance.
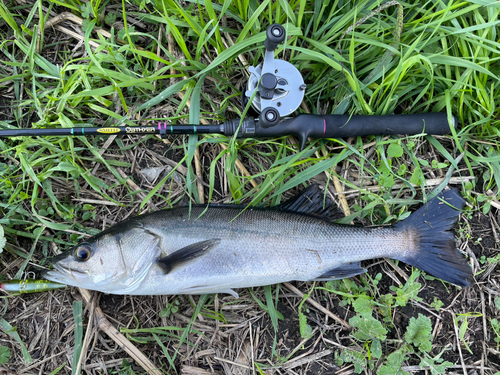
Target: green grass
(356, 58)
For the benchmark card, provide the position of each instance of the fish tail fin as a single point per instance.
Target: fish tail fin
(434, 250)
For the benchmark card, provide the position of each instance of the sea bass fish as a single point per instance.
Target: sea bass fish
(201, 250)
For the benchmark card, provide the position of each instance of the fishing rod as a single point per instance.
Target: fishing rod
(276, 90)
(302, 126)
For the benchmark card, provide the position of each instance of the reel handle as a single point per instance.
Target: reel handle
(268, 118)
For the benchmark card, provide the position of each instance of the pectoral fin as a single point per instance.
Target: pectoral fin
(187, 254)
(343, 271)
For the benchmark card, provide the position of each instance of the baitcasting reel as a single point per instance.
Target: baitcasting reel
(276, 86)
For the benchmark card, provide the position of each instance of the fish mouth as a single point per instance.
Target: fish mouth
(54, 275)
(60, 273)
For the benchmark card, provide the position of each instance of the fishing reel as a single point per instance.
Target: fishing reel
(275, 87)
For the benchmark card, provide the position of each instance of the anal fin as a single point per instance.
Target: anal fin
(210, 289)
(187, 254)
(341, 272)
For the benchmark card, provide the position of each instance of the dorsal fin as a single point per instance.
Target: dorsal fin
(312, 201)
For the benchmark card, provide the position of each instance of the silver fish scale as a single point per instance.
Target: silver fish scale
(258, 247)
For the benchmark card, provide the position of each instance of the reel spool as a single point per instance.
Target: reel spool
(279, 85)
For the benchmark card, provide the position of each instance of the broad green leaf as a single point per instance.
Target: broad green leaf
(363, 305)
(434, 365)
(305, 329)
(419, 333)
(356, 358)
(368, 328)
(409, 291)
(393, 364)
(416, 177)
(403, 295)
(4, 354)
(376, 349)
(394, 150)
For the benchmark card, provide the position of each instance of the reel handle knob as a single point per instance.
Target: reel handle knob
(269, 117)
(275, 35)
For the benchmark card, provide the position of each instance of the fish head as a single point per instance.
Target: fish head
(114, 261)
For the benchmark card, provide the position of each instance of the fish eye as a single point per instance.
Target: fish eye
(83, 253)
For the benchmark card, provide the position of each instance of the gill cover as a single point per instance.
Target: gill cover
(114, 261)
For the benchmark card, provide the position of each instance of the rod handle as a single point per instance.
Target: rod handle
(342, 126)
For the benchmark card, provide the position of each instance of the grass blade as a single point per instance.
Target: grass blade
(12, 331)
(77, 351)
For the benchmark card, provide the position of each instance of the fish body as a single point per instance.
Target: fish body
(201, 250)
(259, 247)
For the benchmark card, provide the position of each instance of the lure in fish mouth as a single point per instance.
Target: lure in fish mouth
(215, 250)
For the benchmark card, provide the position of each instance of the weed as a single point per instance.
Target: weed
(464, 318)
(371, 332)
(495, 325)
(437, 304)
(419, 333)
(171, 308)
(305, 329)
(4, 354)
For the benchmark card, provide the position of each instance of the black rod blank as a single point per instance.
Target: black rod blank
(162, 128)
